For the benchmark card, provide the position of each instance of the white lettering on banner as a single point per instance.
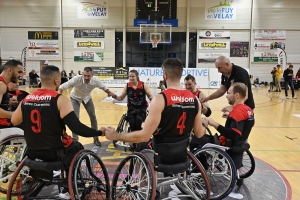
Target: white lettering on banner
(159, 72)
(182, 99)
(37, 97)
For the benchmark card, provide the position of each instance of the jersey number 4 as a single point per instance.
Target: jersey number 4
(35, 117)
(181, 122)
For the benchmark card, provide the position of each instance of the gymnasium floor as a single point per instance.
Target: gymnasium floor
(274, 140)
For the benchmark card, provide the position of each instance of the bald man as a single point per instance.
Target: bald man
(231, 73)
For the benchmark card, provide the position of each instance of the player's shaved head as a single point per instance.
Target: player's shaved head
(48, 74)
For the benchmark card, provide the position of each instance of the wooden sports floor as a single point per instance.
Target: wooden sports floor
(275, 138)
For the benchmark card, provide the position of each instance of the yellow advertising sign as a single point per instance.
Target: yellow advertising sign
(214, 44)
(89, 44)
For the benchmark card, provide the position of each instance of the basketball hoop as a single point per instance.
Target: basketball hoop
(154, 42)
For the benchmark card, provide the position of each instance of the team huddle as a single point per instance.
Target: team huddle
(176, 113)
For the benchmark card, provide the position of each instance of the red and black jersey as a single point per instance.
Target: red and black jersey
(241, 121)
(43, 127)
(5, 106)
(177, 119)
(197, 93)
(136, 97)
(20, 94)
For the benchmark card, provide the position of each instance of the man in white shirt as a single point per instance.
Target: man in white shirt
(81, 93)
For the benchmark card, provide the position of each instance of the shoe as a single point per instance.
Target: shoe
(97, 142)
(294, 97)
(287, 97)
(56, 173)
(64, 195)
(275, 90)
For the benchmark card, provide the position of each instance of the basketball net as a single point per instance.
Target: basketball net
(155, 41)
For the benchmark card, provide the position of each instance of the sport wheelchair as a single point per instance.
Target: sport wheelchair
(138, 177)
(87, 178)
(12, 151)
(221, 170)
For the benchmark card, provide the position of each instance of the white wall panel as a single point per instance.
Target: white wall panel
(70, 19)
(276, 14)
(30, 13)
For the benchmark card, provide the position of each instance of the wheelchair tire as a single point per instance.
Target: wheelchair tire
(220, 170)
(248, 165)
(88, 178)
(199, 184)
(11, 148)
(21, 185)
(126, 180)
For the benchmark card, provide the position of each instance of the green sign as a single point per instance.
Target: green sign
(43, 35)
(266, 59)
(88, 56)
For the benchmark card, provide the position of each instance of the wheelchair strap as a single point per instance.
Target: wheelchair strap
(43, 166)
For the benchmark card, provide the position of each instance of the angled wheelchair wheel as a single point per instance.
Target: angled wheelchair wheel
(134, 179)
(220, 170)
(12, 151)
(22, 185)
(196, 181)
(248, 165)
(88, 178)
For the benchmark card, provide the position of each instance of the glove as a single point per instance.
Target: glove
(222, 140)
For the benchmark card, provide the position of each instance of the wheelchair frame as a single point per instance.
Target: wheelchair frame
(24, 184)
(12, 151)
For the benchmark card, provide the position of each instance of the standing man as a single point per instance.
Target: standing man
(12, 71)
(288, 80)
(231, 73)
(278, 75)
(81, 93)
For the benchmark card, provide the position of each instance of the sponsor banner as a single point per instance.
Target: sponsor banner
(213, 45)
(91, 10)
(214, 35)
(265, 57)
(269, 34)
(88, 33)
(281, 57)
(215, 77)
(89, 44)
(43, 44)
(121, 73)
(43, 35)
(210, 57)
(152, 76)
(268, 45)
(84, 56)
(43, 53)
(239, 49)
(220, 10)
(106, 73)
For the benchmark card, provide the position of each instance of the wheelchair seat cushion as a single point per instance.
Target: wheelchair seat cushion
(43, 166)
(171, 157)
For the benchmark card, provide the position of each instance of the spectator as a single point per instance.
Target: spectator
(278, 75)
(273, 72)
(79, 72)
(288, 81)
(64, 76)
(33, 78)
(71, 74)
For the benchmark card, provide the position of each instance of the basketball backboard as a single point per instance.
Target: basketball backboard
(155, 34)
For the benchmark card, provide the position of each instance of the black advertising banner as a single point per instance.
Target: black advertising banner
(43, 35)
(121, 73)
(104, 72)
(239, 49)
(78, 33)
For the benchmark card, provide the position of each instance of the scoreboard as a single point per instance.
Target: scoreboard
(168, 8)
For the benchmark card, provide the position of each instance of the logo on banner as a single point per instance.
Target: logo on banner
(93, 10)
(218, 10)
(213, 83)
(89, 44)
(43, 35)
(214, 44)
